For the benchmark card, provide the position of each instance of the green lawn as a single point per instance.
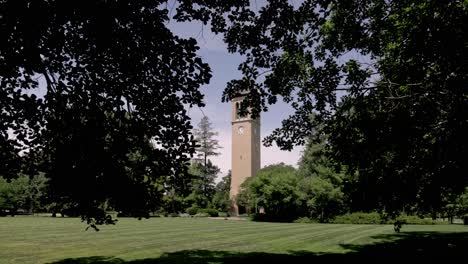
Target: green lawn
(191, 240)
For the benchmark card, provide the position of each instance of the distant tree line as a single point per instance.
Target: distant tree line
(29, 195)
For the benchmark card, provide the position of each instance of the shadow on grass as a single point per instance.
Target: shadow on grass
(403, 247)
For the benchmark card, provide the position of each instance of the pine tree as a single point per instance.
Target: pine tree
(207, 145)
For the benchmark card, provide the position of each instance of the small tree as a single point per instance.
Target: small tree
(5, 202)
(323, 199)
(36, 191)
(221, 199)
(174, 202)
(207, 146)
(461, 206)
(203, 184)
(275, 188)
(206, 141)
(322, 181)
(14, 194)
(22, 193)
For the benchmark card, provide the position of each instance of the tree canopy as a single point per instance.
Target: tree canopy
(386, 80)
(99, 88)
(22, 193)
(275, 188)
(205, 136)
(323, 182)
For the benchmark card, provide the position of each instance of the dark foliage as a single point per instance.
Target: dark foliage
(221, 199)
(386, 80)
(98, 89)
(279, 218)
(202, 186)
(209, 211)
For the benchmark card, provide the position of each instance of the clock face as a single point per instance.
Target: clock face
(240, 130)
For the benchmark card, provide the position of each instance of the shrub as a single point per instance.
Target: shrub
(306, 220)
(201, 215)
(223, 214)
(376, 218)
(415, 220)
(159, 213)
(192, 210)
(210, 211)
(465, 219)
(359, 218)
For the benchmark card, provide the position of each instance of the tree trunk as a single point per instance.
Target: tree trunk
(204, 181)
(434, 215)
(31, 206)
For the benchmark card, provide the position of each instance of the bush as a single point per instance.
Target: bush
(306, 220)
(359, 218)
(210, 211)
(376, 218)
(159, 213)
(192, 210)
(201, 215)
(465, 219)
(223, 214)
(415, 220)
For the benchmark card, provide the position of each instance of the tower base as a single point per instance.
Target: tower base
(234, 210)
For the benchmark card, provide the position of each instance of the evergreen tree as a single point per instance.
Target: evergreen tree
(207, 146)
(203, 184)
(322, 181)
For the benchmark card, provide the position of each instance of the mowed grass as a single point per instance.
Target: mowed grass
(198, 240)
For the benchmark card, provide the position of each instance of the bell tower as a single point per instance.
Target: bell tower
(245, 149)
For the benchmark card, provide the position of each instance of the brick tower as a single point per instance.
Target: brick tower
(245, 150)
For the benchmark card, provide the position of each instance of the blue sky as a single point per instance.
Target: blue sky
(224, 68)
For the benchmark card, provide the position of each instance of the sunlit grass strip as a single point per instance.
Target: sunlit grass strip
(45, 239)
